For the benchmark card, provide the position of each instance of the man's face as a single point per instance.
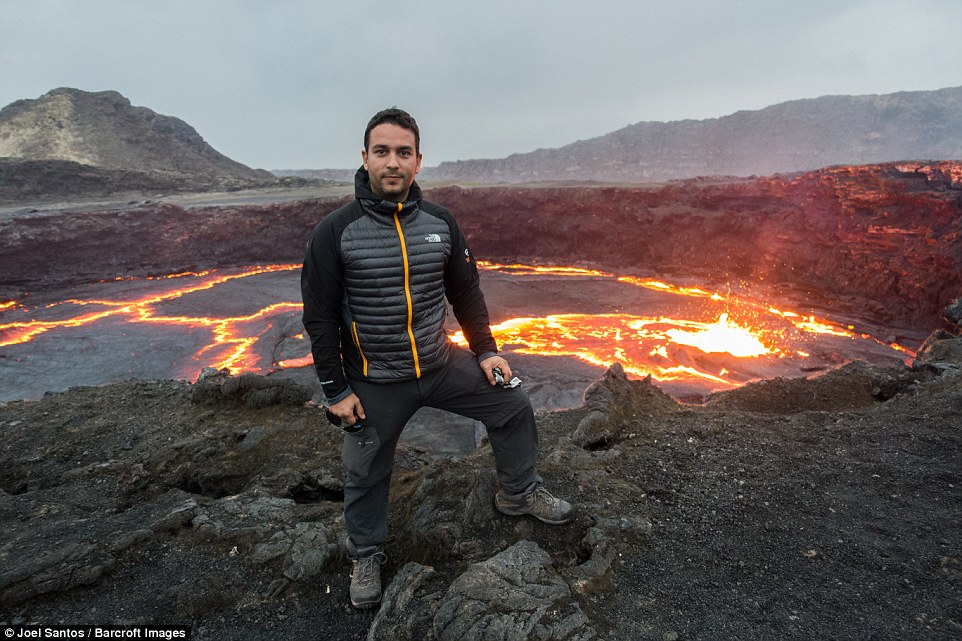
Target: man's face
(392, 161)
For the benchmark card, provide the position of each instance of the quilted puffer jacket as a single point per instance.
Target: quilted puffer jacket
(374, 283)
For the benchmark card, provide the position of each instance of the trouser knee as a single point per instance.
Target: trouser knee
(518, 414)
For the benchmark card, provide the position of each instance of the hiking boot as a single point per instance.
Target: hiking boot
(538, 503)
(366, 581)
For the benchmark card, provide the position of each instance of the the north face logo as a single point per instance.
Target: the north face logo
(433, 238)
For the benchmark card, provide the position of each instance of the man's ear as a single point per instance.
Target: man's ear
(364, 158)
(417, 169)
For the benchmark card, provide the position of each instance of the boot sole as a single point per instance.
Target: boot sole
(366, 605)
(510, 512)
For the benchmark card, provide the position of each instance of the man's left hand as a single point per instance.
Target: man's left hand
(489, 364)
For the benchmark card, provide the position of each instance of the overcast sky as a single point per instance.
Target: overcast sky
(291, 83)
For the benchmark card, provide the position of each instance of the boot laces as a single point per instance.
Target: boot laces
(541, 495)
(364, 571)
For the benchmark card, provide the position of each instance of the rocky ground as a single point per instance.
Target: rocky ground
(801, 509)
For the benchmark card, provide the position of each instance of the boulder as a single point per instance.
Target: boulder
(513, 596)
(252, 390)
(953, 313)
(940, 351)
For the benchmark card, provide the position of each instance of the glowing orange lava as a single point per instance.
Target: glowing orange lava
(599, 339)
(807, 324)
(716, 349)
(640, 344)
(231, 340)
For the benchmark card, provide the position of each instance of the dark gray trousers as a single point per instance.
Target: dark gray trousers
(460, 387)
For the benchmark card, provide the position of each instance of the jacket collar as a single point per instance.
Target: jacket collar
(362, 191)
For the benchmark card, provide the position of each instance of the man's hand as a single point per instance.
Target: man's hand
(349, 409)
(490, 363)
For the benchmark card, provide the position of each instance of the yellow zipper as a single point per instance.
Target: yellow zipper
(357, 341)
(407, 291)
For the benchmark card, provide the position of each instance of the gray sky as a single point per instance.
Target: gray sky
(291, 83)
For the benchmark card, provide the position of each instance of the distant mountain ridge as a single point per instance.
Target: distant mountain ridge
(102, 130)
(800, 135)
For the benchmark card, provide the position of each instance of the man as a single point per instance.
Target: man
(374, 283)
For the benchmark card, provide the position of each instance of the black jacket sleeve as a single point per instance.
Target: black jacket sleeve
(322, 291)
(462, 287)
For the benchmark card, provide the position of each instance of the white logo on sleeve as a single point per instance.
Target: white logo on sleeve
(433, 238)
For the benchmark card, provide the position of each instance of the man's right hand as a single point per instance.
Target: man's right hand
(349, 409)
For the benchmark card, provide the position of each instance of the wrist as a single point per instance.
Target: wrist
(331, 400)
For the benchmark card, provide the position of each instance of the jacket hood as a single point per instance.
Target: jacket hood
(362, 191)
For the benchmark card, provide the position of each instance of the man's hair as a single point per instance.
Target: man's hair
(394, 116)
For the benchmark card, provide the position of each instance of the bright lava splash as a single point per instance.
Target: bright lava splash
(732, 340)
(721, 341)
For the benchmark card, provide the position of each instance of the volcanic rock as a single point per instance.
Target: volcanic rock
(853, 385)
(514, 595)
(953, 313)
(43, 180)
(155, 238)
(408, 605)
(218, 386)
(941, 350)
(615, 404)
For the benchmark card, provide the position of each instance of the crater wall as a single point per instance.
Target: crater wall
(882, 241)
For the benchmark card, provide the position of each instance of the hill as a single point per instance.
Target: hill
(793, 136)
(70, 142)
